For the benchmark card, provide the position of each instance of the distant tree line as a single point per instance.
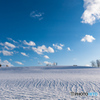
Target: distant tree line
(95, 63)
(50, 64)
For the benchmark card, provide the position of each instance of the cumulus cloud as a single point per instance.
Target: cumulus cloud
(6, 53)
(92, 11)
(50, 50)
(36, 14)
(24, 54)
(20, 63)
(5, 62)
(8, 45)
(68, 48)
(31, 43)
(45, 56)
(43, 48)
(59, 47)
(88, 38)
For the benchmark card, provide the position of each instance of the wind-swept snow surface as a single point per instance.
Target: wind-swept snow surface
(49, 83)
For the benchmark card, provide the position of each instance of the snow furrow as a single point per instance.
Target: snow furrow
(44, 88)
(48, 84)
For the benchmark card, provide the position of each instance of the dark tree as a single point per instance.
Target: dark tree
(93, 64)
(7, 66)
(98, 63)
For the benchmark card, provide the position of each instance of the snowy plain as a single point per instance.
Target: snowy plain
(49, 83)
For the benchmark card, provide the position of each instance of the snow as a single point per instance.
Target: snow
(49, 83)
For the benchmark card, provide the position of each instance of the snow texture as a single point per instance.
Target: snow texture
(49, 83)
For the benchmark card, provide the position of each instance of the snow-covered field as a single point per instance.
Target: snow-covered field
(49, 83)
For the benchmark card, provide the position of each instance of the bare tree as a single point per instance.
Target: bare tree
(54, 64)
(98, 63)
(93, 63)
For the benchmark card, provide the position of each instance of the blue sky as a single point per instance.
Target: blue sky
(40, 32)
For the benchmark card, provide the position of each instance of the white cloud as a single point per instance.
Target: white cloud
(24, 54)
(31, 43)
(16, 52)
(87, 65)
(6, 48)
(43, 48)
(12, 40)
(19, 40)
(37, 50)
(68, 49)
(8, 45)
(59, 47)
(88, 38)
(45, 56)
(46, 62)
(20, 63)
(1, 44)
(92, 11)
(5, 62)
(41, 18)
(51, 50)
(26, 47)
(6, 53)
(36, 14)
(10, 59)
